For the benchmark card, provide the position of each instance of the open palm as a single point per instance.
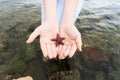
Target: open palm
(72, 41)
(46, 31)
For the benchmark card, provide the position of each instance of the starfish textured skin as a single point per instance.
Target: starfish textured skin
(58, 40)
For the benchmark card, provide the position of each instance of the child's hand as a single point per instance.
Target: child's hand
(46, 31)
(72, 41)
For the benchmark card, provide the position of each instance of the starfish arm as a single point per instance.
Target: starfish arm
(61, 43)
(58, 40)
(53, 39)
(62, 38)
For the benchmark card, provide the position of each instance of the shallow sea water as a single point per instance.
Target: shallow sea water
(99, 24)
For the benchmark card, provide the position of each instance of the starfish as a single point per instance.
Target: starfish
(58, 40)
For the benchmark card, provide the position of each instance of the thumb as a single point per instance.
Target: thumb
(33, 35)
(79, 42)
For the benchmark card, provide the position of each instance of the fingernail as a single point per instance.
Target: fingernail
(61, 57)
(27, 41)
(80, 49)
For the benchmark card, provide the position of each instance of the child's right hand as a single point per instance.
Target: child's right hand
(72, 40)
(46, 31)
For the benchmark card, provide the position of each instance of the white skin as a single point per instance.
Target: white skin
(67, 29)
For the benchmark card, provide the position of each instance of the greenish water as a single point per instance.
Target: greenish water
(99, 24)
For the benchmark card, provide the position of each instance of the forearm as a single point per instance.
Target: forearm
(50, 11)
(69, 11)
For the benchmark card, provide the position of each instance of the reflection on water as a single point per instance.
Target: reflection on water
(99, 24)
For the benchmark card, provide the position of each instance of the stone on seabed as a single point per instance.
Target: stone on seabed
(24, 78)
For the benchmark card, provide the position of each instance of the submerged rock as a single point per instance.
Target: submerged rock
(65, 75)
(24, 78)
(94, 58)
(94, 54)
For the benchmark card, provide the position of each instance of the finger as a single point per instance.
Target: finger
(33, 35)
(44, 49)
(72, 51)
(79, 43)
(61, 57)
(59, 49)
(64, 47)
(54, 50)
(49, 49)
(67, 51)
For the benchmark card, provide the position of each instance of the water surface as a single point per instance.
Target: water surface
(99, 24)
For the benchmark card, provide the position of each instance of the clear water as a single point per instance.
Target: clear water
(99, 24)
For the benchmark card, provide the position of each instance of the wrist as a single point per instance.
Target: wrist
(53, 21)
(67, 24)
(50, 22)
